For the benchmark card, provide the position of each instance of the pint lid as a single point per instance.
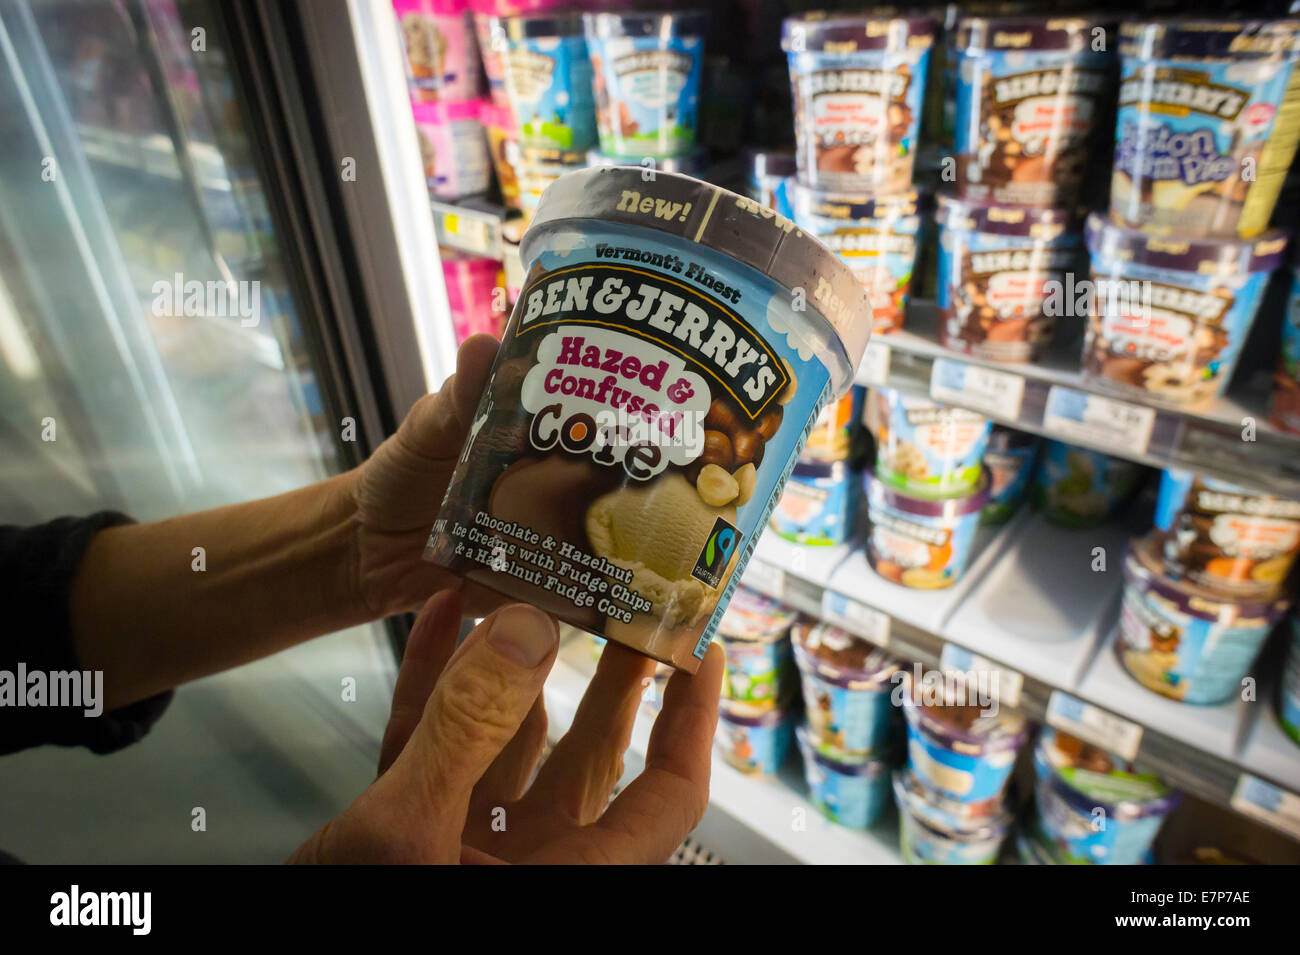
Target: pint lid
(969, 215)
(826, 204)
(605, 26)
(837, 316)
(535, 26)
(1074, 34)
(1216, 39)
(1116, 243)
(947, 507)
(842, 658)
(823, 32)
(755, 617)
(1143, 571)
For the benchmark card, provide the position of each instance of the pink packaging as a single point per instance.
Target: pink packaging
(453, 148)
(442, 62)
(472, 294)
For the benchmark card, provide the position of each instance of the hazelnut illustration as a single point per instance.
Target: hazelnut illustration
(770, 423)
(745, 477)
(746, 445)
(721, 417)
(788, 392)
(717, 450)
(716, 487)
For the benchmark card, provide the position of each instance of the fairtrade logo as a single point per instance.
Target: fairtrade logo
(716, 554)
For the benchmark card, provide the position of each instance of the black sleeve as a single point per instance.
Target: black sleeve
(37, 565)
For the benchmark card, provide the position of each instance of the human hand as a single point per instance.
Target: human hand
(468, 728)
(398, 491)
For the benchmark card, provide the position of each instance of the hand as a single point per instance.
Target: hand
(398, 491)
(465, 735)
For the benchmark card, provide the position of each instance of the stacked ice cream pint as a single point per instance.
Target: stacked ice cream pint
(849, 737)
(820, 498)
(961, 749)
(1205, 588)
(442, 69)
(759, 699)
(858, 84)
(1090, 807)
(1207, 123)
(927, 489)
(1031, 96)
(646, 68)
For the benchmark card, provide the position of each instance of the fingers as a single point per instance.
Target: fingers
(473, 362)
(430, 644)
(508, 776)
(652, 816)
(586, 764)
(486, 691)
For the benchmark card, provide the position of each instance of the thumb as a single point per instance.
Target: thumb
(478, 705)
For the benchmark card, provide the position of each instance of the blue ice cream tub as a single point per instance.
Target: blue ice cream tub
(858, 87)
(850, 793)
(1079, 487)
(654, 385)
(922, 542)
(931, 834)
(963, 752)
(754, 743)
(1032, 93)
(847, 685)
(817, 505)
(1009, 457)
(1201, 103)
(547, 77)
(875, 236)
(646, 77)
(1093, 807)
(755, 634)
(1169, 316)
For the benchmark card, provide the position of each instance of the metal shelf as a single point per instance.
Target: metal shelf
(1032, 607)
(1209, 441)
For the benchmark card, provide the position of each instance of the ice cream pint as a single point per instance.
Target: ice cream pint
(548, 83)
(1010, 457)
(817, 505)
(875, 237)
(1078, 487)
(962, 752)
(858, 85)
(846, 684)
(453, 148)
(1030, 92)
(646, 70)
(1004, 275)
(927, 448)
(754, 744)
(918, 541)
(1169, 316)
(503, 146)
(1078, 786)
(852, 794)
(755, 635)
(928, 836)
(1183, 641)
(1224, 537)
(671, 345)
(441, 53)
(1209, 114)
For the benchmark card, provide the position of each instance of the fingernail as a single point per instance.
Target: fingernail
(523, 634)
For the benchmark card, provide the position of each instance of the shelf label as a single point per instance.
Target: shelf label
(1093, 725)
(760, 575)
(1092, 419)
(1004, 684)
(997, 393)
(472, 235)
(874, 370)
(867, 622)
(1271, 804)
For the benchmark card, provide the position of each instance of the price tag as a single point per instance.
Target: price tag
(765, 577)
(1093, 725)
(1268, 803)
(866, 622)
(997, 393)
(1003, 684)
(874, 370)
(1093, 419)
(472, 235)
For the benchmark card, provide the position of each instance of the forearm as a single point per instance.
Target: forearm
(277, 572)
